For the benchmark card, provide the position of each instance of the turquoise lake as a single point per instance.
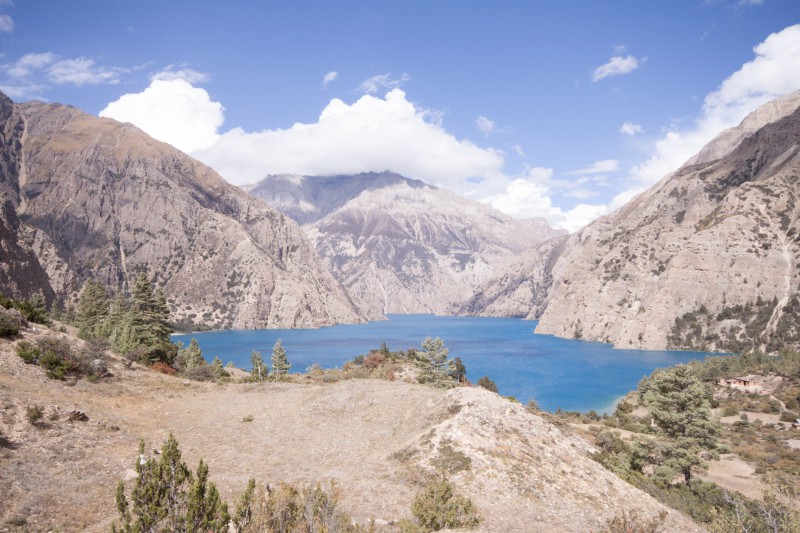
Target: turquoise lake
(571, 374)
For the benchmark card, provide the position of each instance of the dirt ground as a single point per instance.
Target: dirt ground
(377, 440)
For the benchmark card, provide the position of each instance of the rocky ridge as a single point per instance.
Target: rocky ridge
(398, 244)
(92, 197)
(721, 231)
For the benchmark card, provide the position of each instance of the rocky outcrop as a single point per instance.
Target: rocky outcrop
(398, 244)
(97, 198)
(21, 274)
(720, 232)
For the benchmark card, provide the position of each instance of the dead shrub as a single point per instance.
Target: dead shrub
(164, 368)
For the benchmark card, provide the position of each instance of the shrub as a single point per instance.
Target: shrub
(164, 368)
(789, 416)
(34, 414)
(730, 411)
(8, 326)
(487, 384)
(28, 352)
(202, 372)
(435, 507)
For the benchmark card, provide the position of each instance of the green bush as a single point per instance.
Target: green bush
(436, 507)
(789, 416)
(8, 326)
(28, 352)
(487, 384)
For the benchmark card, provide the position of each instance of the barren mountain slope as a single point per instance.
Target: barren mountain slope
(378, 440)
(712, 236)
(100, 198)
(398, 244)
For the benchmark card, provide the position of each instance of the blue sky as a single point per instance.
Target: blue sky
(558, 109)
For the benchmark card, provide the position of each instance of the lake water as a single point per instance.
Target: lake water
(570, 374)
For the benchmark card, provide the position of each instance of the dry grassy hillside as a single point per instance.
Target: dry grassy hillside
(378, 440)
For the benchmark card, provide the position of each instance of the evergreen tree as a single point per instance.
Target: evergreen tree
(436, 367)
(259, 370)
(280, 364)
(680, 405)
(190, 357)
(459, 371)
(93, 310)
(205, 510)
(218, 368)
(166, 497)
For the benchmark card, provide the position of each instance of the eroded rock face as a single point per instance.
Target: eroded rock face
(101, 199)
(720, 231)
(398, 244)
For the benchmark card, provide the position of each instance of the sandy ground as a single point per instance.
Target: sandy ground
(731, 473)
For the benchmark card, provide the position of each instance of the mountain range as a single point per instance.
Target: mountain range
(85, 197)
(398, 244)
(707, 258)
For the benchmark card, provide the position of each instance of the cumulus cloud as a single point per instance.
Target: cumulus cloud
(173, 111)
(381, 81)
(485, 125)
(526, 197)
(631, 128)
(329, 77)
(772, 73)
(6, 24)
(598, 167)
(616, 66)
(370, 134)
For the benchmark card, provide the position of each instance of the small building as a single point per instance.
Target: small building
(745, 384)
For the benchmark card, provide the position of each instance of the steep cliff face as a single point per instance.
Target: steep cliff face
(400, 245)
(103, 199)
(719, 234)
(21, 275)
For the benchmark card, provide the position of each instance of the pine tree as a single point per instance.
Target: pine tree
(259, 370)
(166, 497)
(436, 367)
(93, 310)
(218, 368)
(190, 357)
(280, 364)
(680, 405)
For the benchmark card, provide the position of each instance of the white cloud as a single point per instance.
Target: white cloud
(30, 63)
(371, 134)
(598, 167)
(631, 128)
(81, 71)
(6, 24)
(581, 194)
(329, 77)
(381, 81)
(772, 73)
(518, 150)
(485, 125)
(180, 72)
(173, 111)
(616, 66)
(526, 197)
(38, 69)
